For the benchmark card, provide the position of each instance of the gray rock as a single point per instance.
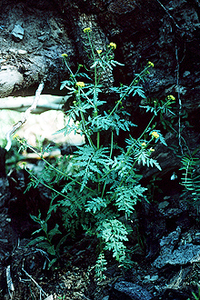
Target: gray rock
(129, 291)
(170, 241)
(9, 77)
(163, 205)
(42, 38)
(106, 298)
(183, 255)
(17, 33)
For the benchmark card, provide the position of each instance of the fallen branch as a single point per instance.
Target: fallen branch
(9, 282)
(38, 286)
(20, 104)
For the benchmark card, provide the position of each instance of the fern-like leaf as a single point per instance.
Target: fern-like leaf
(114, 234)
(127, 196)
(96, 204)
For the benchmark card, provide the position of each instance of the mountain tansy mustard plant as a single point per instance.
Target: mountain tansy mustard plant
(100, 182)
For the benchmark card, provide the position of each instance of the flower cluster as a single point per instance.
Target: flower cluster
(171, 97)
(151, 64)
(144, 146)
(64, 55)
(99, 51)
(155, 134)
(113, 45)
(87, 29)
(80, 84)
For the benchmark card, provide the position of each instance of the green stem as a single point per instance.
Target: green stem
(147, 127)
(85, 129)
(70, 71)
(53, 168)
(133, 81)
(95, 96)
(111, 143)
(111, 151)
(103, 190)
(91, 45)
(47, 186)
(98, 140)
(133, 145)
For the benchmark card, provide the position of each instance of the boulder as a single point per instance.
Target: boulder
(9, 78)
(17, 33)
(125, 290)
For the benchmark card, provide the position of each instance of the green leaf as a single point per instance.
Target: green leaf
(114, 233)
(100, 266)
(50, 250)
(95, 205)
(37, 240)
(54, 232)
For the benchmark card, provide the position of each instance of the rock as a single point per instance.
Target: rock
(149, 278)
(22, 52)
(17, 33)
(42, 38)
(125, 290)
(183, 255)
(17, 51)
(163, 205)
(167, 245)
(41, 128)
(170, 241)
(106, 298)
(9, 77)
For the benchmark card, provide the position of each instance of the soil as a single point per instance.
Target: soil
(43, 43)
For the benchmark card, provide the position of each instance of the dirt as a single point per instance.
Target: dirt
(38, 54)
(28, 265)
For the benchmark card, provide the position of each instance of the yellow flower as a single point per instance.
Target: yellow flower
(171, 97)
(155, 134)
(151, 64)
(152, 150)
(87, 29)
(64, 55)
(80, 84)
(15, 136)
(113, 45)
(143, 144)
(99, 51)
